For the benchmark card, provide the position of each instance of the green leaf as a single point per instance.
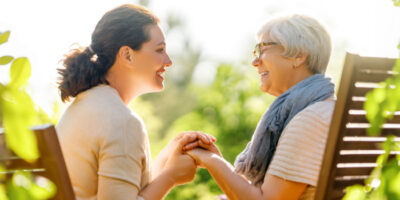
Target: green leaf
(5, 60)
(18, 115)
(4, 37)
(355, 192)
(23, 186)
(45, 190)
(19, 72)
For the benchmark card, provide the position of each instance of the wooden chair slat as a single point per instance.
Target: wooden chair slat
(353, 171)
(361, 91)
(345, 156)
(362, 119)
(361, 145)
(50, 163)
(340, 185)
(362, 132)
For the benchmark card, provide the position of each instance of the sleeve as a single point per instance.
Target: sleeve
(299, 153)
(122, 160)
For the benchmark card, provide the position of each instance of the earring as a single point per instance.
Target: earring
(294, 66)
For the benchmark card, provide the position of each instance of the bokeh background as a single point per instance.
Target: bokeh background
(211, 86)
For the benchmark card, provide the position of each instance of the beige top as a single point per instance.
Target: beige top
(298, 156)
(105, 146)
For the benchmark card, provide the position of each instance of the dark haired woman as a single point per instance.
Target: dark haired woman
(105, 144)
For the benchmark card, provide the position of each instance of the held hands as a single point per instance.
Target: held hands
(201, 152)
(173, 160)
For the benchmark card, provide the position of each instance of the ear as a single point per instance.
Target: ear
(300, 60)
(125, 54)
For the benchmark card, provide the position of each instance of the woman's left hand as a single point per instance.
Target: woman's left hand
(209, 147)
(200, 156)
(202, 153)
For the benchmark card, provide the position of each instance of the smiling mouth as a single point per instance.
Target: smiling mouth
(160, 73)
(264, 73)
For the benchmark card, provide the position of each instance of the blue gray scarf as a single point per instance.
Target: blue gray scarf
(253, 162)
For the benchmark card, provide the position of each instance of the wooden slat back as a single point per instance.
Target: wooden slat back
(350, 154)
(50, 163)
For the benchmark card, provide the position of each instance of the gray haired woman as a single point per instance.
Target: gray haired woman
(283, 159)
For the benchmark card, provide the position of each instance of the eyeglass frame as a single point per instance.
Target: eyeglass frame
(259, 47)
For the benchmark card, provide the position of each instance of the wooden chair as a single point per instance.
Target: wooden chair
(50, 164)
(350, 154)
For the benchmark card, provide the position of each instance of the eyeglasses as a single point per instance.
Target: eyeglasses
(258, 48)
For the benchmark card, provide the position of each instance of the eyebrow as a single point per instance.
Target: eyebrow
(161, 43)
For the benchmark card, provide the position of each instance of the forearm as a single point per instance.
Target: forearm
(231, 183)
(157, 188)
(159, 164)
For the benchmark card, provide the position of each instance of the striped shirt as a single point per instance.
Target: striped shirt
(300, 149)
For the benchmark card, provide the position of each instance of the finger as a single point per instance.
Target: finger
(191, 145)
(182, 134)
(210, 137)
(204, 137)
(186, 139)
(204, 146)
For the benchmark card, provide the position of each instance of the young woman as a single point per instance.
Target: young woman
(105, 144)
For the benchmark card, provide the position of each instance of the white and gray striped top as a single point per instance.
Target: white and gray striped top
(299, 153)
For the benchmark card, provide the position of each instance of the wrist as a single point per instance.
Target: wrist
(168, 176)
(209, 160)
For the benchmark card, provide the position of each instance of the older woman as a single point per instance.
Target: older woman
(283, 159)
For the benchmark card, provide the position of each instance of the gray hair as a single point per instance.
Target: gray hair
(298, 35)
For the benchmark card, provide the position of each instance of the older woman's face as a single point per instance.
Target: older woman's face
(275, 70)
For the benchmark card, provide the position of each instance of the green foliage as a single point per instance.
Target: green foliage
(384, 181)
(17, 111)
(4, 60)
(396, 2)
(229, 109)
(22, 186)
(4, 37)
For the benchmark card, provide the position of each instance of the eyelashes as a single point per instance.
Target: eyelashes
(160, 50)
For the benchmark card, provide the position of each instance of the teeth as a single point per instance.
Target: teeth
(264, 73)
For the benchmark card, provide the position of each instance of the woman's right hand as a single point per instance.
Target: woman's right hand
(189, 137)
(180, 167)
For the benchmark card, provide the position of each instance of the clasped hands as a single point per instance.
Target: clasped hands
(184, 154)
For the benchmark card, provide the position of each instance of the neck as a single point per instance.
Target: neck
(119, 80)
(299, 75)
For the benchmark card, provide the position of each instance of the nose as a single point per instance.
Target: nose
(167, 61)
(256, 62)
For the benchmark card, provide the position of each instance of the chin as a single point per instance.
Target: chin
(263, 88)
(158, 88)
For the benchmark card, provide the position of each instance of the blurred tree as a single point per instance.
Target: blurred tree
(228, 109)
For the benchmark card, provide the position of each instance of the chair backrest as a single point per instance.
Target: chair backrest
(50, 163)
(350, 154)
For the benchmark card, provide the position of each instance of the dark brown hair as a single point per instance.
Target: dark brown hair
(87, 67)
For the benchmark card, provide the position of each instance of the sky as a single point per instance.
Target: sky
(44, 30)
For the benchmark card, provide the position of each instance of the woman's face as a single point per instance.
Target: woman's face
(150, 61)
(275, 70)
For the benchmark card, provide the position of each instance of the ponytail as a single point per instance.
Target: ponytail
(82, 71)
(85, 68)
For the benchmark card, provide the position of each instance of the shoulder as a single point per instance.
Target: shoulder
(320, 112)
(301, 146)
